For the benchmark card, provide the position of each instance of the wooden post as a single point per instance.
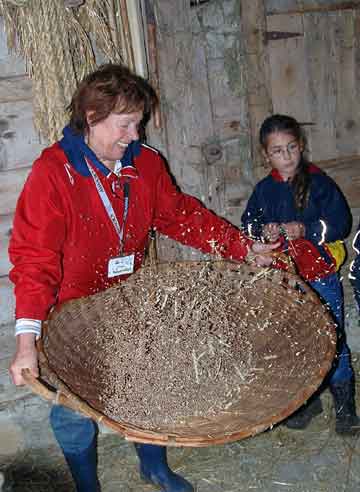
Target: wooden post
(259, 89)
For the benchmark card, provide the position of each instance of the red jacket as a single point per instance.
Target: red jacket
(62, 237)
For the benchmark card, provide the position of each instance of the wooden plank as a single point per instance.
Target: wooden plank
(15, 88)
(275, 7)
(202, 84)
(315, 79)
(346, 173)
(11, 184)
(347, 115)
(137, 37)
(172, 15)
(186, 113)
(10, 64)
(184, 85)
(188, 116)
(7, 301)
(5, 231)
(19, 141)
(258, 76)
(322, 68)
(228, 128)
(226, 103)
(288, 67)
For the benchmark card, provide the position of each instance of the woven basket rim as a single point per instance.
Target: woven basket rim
(136, 434)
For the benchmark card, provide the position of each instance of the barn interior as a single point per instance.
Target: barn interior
(219, 67)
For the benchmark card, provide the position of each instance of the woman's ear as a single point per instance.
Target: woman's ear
(89, 117)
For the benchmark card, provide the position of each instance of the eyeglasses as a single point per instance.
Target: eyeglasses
(291, 148)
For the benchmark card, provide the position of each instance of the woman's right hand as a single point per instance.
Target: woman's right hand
(26, 357)
(272, 232)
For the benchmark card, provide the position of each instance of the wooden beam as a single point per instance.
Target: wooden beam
(124, 19)
(345, 171)
(318, 8)
(338, 160)
(259, 97)
(15, 88)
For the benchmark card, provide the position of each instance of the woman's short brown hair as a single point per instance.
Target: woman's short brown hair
(110, 88)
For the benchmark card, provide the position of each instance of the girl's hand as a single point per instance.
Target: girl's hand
(260, 253)
(293, 230)
(272, 232)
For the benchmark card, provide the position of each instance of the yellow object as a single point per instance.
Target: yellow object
(338, 252)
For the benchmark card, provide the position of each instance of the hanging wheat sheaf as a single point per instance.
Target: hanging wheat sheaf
(57, 39)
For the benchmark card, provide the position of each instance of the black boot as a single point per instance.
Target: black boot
(347, 422)
(303, 416)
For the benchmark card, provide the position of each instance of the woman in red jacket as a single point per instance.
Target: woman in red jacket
(82, 224)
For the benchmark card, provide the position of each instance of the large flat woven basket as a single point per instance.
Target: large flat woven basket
(285, 344)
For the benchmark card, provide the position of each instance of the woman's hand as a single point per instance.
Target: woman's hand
(25, 357)
(260, 253)
(272, 232)
(293, 230)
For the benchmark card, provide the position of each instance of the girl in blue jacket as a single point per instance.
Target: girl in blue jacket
(302, 207)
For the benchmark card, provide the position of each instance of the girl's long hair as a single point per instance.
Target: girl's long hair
(279, 123)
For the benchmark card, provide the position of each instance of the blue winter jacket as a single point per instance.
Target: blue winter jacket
(327, 216)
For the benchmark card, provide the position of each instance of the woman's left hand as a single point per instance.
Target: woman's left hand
(293, 230)
(260, 253)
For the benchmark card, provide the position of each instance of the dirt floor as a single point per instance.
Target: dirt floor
(313, 460)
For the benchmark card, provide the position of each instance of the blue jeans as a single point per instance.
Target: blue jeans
(330, 291)
(76, 436)
(74, 432)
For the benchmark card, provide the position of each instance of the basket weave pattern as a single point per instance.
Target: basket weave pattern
(292, 347)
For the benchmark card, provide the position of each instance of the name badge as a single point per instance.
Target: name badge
(121, 265)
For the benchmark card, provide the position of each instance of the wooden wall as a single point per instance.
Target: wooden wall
(205, 134)
(220, 71)
(19, 145)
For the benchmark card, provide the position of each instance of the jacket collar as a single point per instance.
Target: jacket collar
(312, 169)
(76, 150)
(277, 176)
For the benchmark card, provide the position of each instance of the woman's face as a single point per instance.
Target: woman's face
(283, 152)
(110, 137)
